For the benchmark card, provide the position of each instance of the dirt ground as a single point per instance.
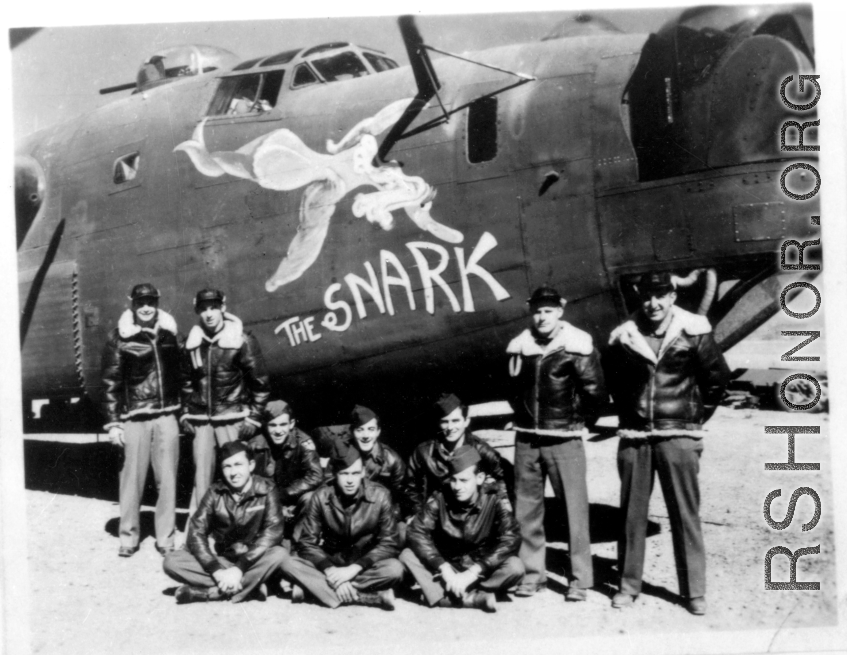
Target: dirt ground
(86, 600)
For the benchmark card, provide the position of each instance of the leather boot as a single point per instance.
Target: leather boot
(188, 594)
(480, 600)
(382, 599)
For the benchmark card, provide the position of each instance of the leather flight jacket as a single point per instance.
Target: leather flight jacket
(675, 390)
(336, 531)
(294, 466)
(382, 464)
(558, 387)
(228, 376)
(484, 533)
(243, 529)
(428, 470)
(142, 369)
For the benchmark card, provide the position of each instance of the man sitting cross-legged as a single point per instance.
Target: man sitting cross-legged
(348, 540)
(244, 516)
(463, 545)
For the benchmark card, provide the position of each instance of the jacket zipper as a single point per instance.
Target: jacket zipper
(209, 386)
(154, 344)
(535, 398)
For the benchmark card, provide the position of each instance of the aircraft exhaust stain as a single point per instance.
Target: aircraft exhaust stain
(281, 161)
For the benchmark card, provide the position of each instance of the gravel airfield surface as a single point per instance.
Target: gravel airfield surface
(84, 599)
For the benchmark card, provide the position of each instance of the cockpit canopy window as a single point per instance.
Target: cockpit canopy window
(250, 94)
(303, 76)
(380, 64)
(343, 66)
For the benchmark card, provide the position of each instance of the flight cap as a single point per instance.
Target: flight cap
(209, 295)
(231, 448)
(545, 295)
(447, 403)
(655, 284)
(362, 415)
(143, 290)
(343, 456)
(464, 457)
(277, 408)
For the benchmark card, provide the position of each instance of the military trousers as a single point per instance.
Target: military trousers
(507, 575)
(149, 440)
(677, 462)
(563, 461)
(183, 567)
(384, 574)
(208, 437)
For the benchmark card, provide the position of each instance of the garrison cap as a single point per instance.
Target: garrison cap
(655, 284)
(209, 295)
(277, 408)
(464, 457)
(447, 403)
(362, 415)
(545, 296)
(231, 448)
(343, 456)
(144, 290)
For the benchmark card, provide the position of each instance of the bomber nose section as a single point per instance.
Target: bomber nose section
(30, 188)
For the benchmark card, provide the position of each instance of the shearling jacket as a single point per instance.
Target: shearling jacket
(338, 532)
(557, 388)
(485, 533)
(228, 376)
(672, 392)
(142, 369)
(243, 529)
(294, 466)
(429, 469)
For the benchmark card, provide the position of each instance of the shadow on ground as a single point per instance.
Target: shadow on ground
(604, 522)
(92, 470)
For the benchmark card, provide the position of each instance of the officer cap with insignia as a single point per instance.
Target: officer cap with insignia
(209, 295)
(143, 290)
(545, 296)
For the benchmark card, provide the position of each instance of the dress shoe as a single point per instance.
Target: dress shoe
(482, 600)
(127, 551)
(696, 606)
(188, 594)
(164, 550)
(575, 595)
(622, 600)
(297, 594)
(525, 591)
(382, 599)
(260, 593)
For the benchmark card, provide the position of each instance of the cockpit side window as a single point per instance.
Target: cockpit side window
(380, 64)
(249, 94)
(343, 66)
(125, 169)
(303, 76)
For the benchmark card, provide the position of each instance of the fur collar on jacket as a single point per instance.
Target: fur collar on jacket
(569, 339)
(127, 328)
(630, 337)
(230, 336)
